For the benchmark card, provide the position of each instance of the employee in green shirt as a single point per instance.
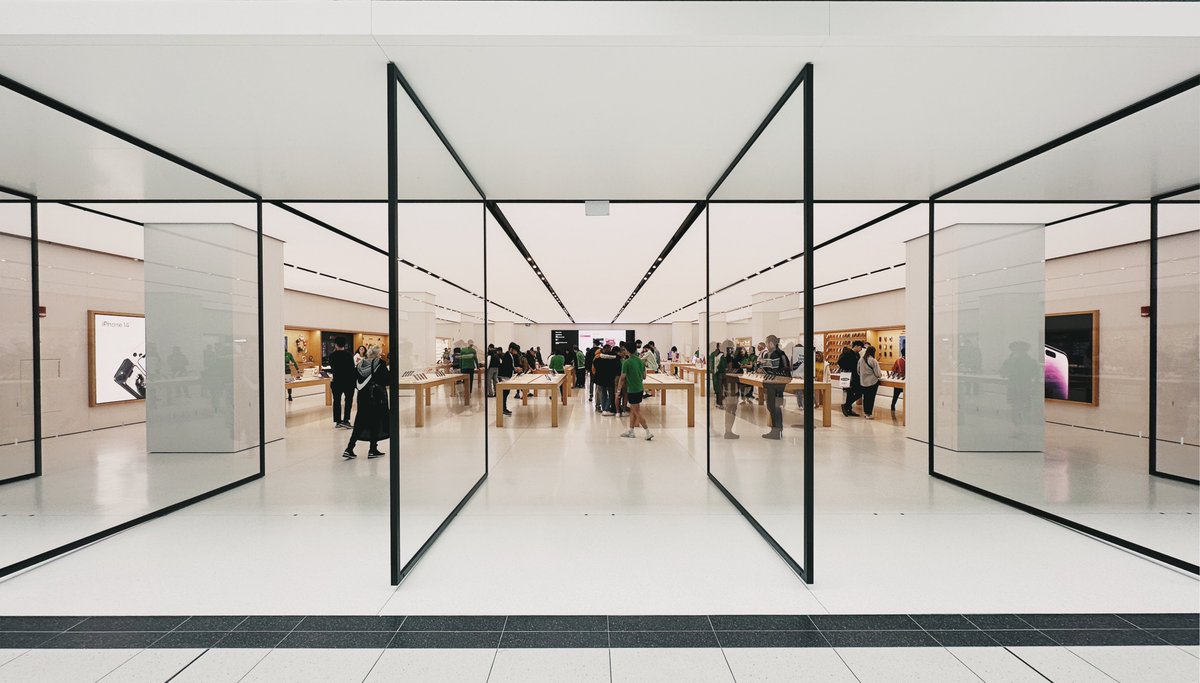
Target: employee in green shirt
(633, 372)
(289, 362)
(467, 362)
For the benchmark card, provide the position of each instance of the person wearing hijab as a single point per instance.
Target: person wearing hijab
(373, 421)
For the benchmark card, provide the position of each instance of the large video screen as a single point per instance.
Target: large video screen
(605, 337)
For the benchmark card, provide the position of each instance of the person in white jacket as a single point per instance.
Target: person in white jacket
(869, 375)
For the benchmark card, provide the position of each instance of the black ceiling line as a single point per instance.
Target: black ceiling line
(494, 209)
(1130, 110)
(105, 214)
(491, 206)
(787, 94)
(331, 228)
(87, 119)
(17, 193)
(699, 207)
(1085, 214)
(662, 256)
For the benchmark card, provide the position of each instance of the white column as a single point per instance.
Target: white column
(503, 333)
(202, 308)
(989, 337)
(765, 310)
(681, 338)
(415, 349)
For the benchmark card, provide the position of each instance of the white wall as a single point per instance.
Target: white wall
(304, 310)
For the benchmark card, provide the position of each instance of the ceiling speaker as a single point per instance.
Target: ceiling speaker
(597, 208)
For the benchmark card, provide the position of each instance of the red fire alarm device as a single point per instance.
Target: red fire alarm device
(1145, 311)
(41, 311)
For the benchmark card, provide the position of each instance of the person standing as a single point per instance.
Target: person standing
(848, 364)
(580, 367)
(869, 375)
(509, 363)
(289, 363)
(467, 362)
(633, 372)
(359, 354)
(605, 368)
(898, 369)
(493, 370)
(589, 363)
(372, 422)
(776, 368)
(341, 364)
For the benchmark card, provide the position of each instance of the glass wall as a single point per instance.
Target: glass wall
(17, 457)
(1042, 333)
(1178, 282)
(756, 351)
(441, 408)
(150, 334)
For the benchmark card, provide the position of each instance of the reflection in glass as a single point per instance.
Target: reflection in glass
(16, 343)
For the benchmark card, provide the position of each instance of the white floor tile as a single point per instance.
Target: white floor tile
(699, 665)
(1162, 664)
(55, 666)
(889, 664)
(996, 665)
(1061, 665)
(315, 665)
(7, 655)
(433, 666)
(533, 665)
(220, 666)
(786, 665)
(153, 665)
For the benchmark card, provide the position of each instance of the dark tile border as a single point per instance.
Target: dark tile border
(598, 631)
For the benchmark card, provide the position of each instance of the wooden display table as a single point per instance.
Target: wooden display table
(699, 376)
(662, 383)
(313, 382)
(822, 389)
(568, 372)
(896, 384)
(423, 388)
(528, 383)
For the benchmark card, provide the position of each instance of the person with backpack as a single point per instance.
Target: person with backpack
(373, 421)
(869, 375)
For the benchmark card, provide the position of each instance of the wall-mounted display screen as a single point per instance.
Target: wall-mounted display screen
(1071, 357)
(605, 337)
(116, 357)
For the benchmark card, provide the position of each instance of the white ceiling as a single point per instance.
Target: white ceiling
(595, 101)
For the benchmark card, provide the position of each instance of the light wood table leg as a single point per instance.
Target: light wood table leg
(691, 401)
(703, 383)
(826, 407)
(565, 391)
(328, 393)
(428, 396)
(663, 393)
(420, 408)
(762, 393)
(554, 412)
(525, 396)
(499, 406)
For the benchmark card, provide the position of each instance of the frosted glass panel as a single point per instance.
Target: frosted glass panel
(1179, 353)
(16, 343)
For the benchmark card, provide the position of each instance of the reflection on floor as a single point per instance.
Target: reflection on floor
(95, 480)
(577, 520)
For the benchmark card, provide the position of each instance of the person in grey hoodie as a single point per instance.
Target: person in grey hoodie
(869, 375)
(373, 421)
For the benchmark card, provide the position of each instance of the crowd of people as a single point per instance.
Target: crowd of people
(858, 361)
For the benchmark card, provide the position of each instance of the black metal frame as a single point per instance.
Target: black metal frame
(804, 571)
(940, 197)
(56, 105)
(1152, 371)
(400, 569)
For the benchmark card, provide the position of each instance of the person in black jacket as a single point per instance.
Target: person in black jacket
(509, 362)
(341, 364)
(373, 421)
(606, 367)
(589, 359)
(848, 364)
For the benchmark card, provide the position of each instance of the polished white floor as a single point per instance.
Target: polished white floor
(577, 520)
(1157, 664)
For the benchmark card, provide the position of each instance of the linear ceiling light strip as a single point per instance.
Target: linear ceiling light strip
(662, 256)
(506, 226)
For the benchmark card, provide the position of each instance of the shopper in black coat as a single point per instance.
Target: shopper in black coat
(373, 421)
(848, 364)
(341, 364)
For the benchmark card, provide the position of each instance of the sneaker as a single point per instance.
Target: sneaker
(375, 454)
(608, 413)
(731, 435)
(349, 454)
(629, 434)
(649, 436)
(869, 417)
(774, 436)
(508, 413)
